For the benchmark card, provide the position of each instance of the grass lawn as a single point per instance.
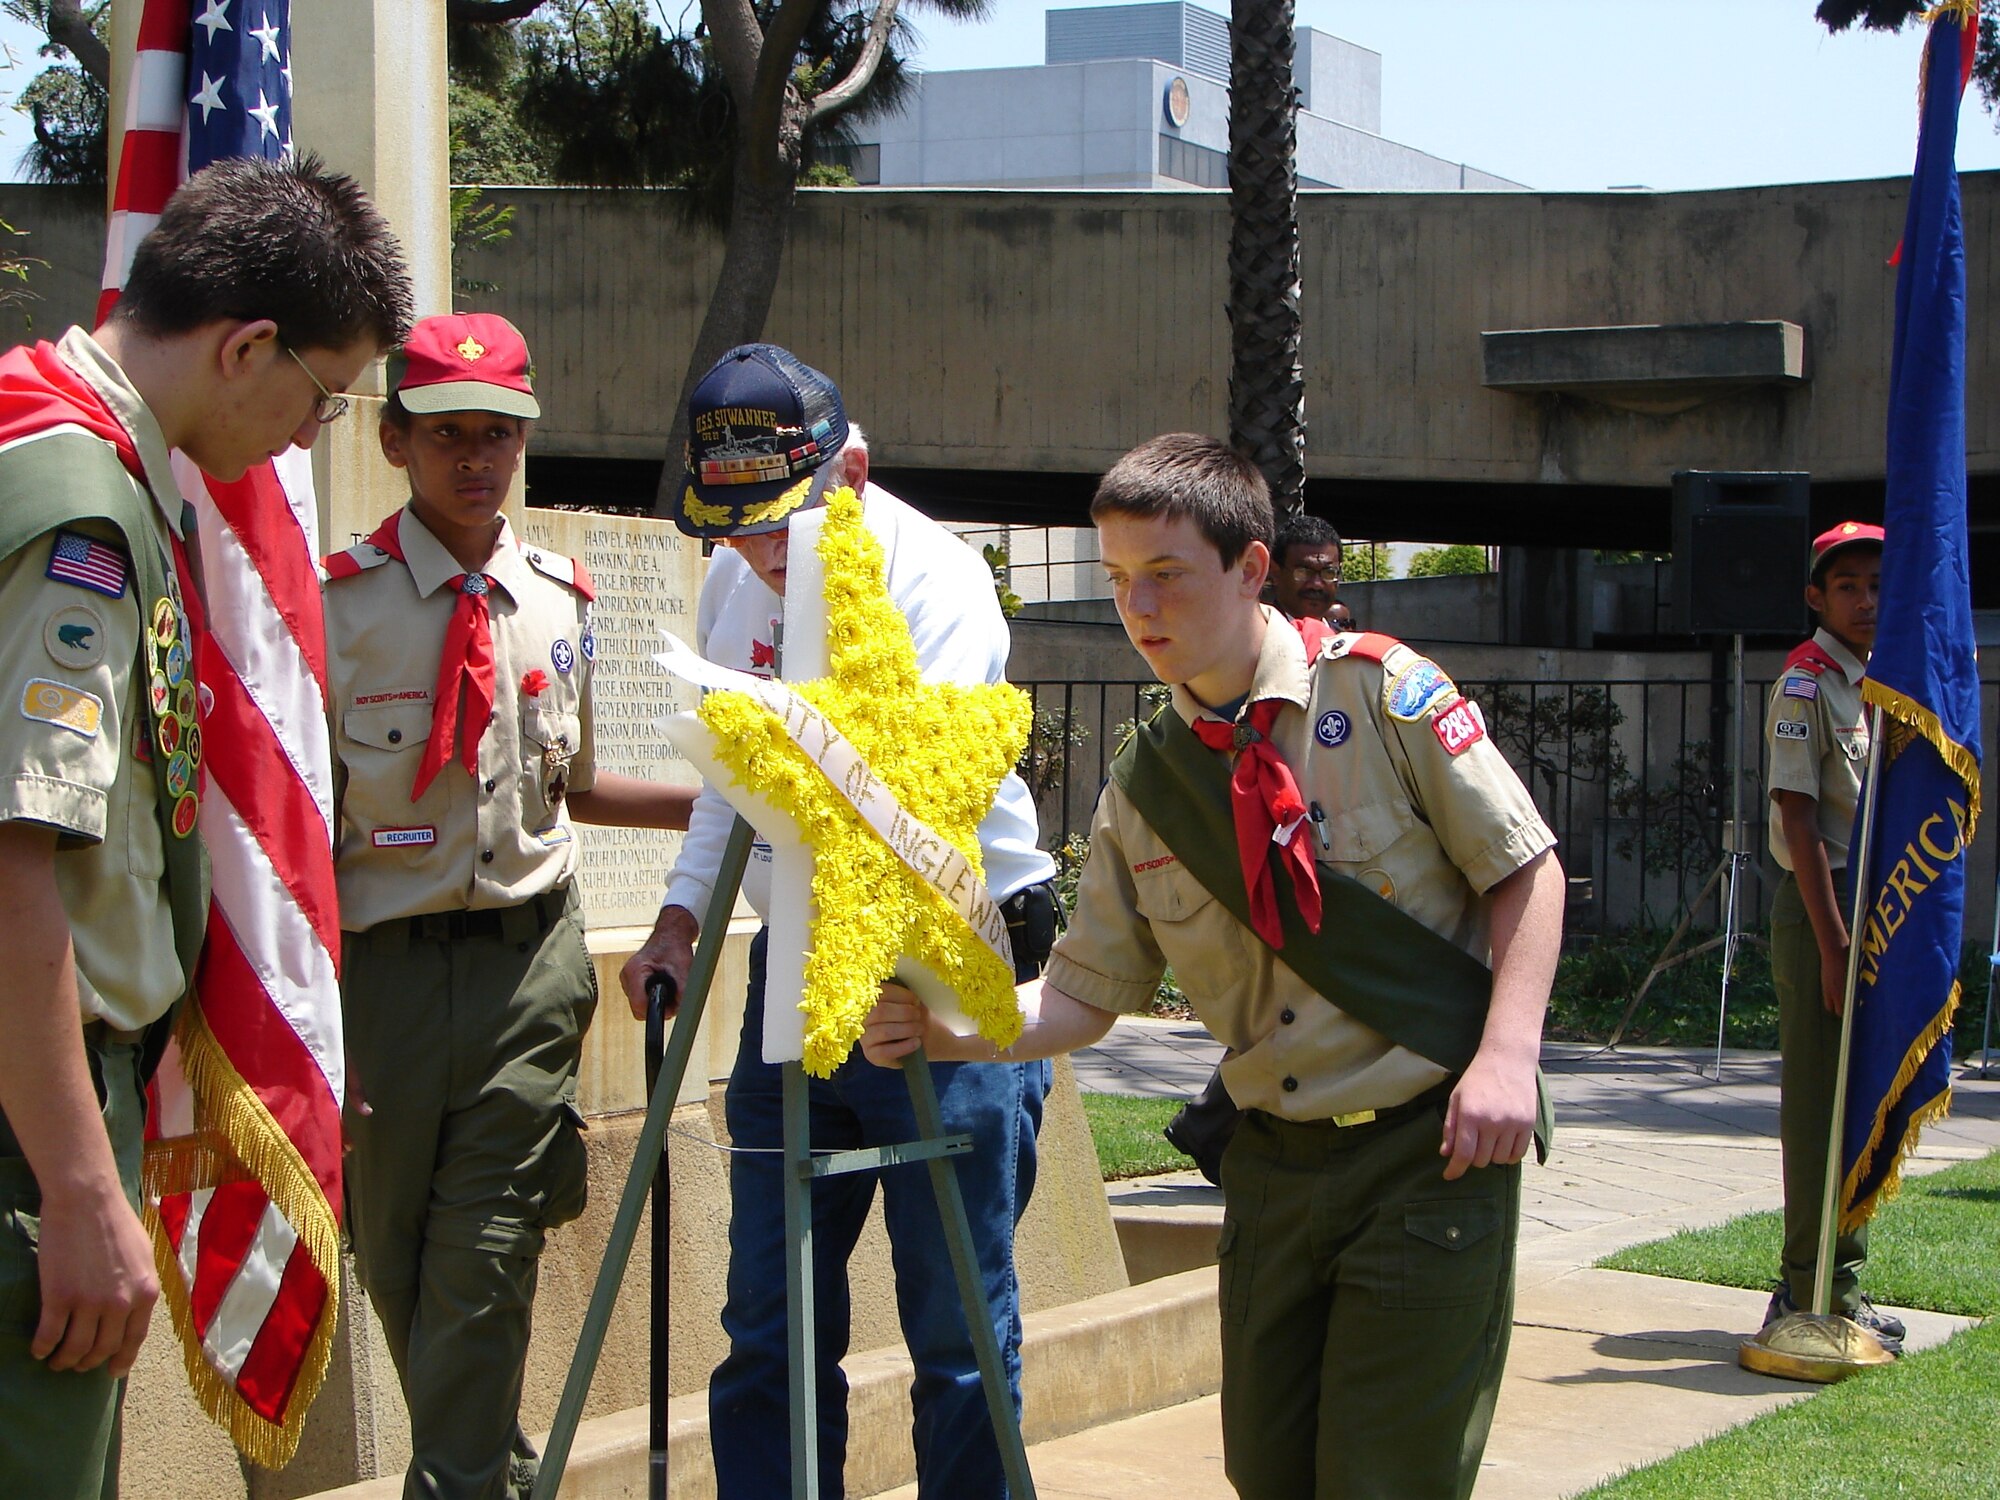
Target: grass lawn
(1922, 1427)
(1127, 1132)
(1937, 1246)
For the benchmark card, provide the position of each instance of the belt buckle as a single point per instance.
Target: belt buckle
(1354, 1117)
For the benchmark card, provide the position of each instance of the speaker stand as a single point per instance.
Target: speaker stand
(1729, 869)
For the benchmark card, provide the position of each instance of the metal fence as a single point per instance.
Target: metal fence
(1631, 773)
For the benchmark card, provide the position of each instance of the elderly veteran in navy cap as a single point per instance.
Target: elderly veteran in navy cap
(769, 438)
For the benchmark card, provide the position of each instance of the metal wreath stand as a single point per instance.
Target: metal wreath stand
(667, 1053)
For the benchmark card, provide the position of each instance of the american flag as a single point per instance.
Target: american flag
(243, 1152)
(78, 559)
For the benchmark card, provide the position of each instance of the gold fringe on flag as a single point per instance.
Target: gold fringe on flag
(1859, 1212)
(237, 1139)
(1918, 719)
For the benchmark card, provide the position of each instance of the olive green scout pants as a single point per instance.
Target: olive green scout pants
(1366, 1308)
(1809, 1046)
(463, 1034)
(59, 1428)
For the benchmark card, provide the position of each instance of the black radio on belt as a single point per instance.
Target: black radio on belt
(1031, 927)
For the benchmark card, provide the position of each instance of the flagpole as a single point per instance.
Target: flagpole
(1857, 874)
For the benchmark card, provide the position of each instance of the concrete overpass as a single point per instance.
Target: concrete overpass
(1002, 348)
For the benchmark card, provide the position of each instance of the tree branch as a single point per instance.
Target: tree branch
(732, 27)
(490, 12)
(68, 28)
(863, 71)
(766, 118)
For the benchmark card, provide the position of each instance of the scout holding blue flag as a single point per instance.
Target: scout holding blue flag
(1920, 802)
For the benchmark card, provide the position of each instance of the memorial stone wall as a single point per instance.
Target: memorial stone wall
(648, 578)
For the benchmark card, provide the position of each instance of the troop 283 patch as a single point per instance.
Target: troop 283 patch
(1459, 726)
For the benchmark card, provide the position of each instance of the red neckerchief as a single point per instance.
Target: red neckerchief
(1266, 805)
(466, 664)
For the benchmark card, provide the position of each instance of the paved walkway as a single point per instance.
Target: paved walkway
(1607, 1370)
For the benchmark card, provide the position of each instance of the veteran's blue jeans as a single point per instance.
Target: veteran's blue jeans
(1000, 1107)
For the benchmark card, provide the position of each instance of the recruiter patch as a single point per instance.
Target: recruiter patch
(403, 838)
(74, 636)
(1793, 729)
(1332, 728)
(1415, 689)
(60, 704)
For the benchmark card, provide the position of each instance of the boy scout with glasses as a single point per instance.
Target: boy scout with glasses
(1323, 842)
(261, 285)
(459, 666)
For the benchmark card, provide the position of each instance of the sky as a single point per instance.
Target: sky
(1562, 95)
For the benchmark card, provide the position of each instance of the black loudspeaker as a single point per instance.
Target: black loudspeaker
(1740, 544)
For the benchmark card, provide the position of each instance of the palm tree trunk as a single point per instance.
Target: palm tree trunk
(1267, 397)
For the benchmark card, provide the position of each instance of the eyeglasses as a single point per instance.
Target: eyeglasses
(1304, 576)
(329, 408)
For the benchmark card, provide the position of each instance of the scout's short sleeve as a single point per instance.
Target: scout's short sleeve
(66, 655)
(1108, 957)
(1795, 736)
(1482, 815)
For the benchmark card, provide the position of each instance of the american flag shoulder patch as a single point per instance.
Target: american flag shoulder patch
(1801, 687)
(88, 563)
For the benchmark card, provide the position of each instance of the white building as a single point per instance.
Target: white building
(1137, 96)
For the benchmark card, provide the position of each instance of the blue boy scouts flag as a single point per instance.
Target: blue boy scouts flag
(1922, 675)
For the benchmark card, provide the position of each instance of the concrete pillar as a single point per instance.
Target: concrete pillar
(370, 98)
(1547, 596)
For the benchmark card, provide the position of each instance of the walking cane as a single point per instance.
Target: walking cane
(660, 998)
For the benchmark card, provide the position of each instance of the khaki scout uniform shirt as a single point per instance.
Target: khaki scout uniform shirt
(69, 748)
(468, 843)
(1428, 827)
(1816, 740)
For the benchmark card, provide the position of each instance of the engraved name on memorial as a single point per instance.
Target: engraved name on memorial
(648, 576)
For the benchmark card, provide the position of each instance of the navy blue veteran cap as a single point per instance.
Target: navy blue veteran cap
(759, 423)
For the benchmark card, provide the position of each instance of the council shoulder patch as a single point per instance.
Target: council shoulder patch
(74, 637)
(1413, 691)
(1793, 729)
(60, 704)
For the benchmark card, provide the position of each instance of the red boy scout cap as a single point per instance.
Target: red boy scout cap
(1846, 534)
(465, 362)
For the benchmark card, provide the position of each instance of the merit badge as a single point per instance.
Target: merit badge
(60, 704)
(160, 694)
(168, 733)
(1459, 727)
(166, 623)
(1801, 687)
(1415, 689)
(588, 642)
(563, 655)
(87, 563)
(184, 702)
(74, 636)
(174, 663)
(184, 815)
(1332, 728)
(1793, 729)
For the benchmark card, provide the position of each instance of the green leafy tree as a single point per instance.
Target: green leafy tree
(1441, 562)
(1365, 562)
(66, 102)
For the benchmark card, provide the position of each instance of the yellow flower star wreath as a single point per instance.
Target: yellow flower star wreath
(941, 748)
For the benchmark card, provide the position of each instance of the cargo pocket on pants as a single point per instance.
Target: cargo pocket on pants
(1447, 1256)
(569, 1169)
(1235, 1270)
